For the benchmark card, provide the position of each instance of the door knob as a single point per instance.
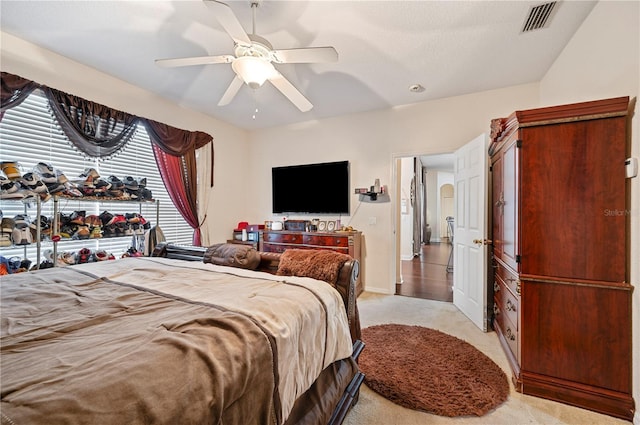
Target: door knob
(482, 241)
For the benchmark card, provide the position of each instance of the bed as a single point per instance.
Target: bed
(179, 338)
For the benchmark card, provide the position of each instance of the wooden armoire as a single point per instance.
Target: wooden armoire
(561, 252)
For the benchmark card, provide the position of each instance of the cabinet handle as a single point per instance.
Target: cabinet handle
(510, 335)
(496, 310)
(518, 286)
(496, 287)
(510, 306)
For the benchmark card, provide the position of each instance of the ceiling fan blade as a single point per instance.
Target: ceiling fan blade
(228, 20)
(197, 60)
(231, 92)
(306, 55)
(290, 91)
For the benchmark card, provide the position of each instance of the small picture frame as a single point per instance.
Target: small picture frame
(322, 226)
(331, 226)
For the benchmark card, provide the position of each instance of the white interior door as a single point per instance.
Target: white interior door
(469, 236)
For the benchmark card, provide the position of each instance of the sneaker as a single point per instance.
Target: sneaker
(84, 256)
(11, 169)
(46, 173)
(32, 182)
(90, 172)
(96, 232)
(106, 218)
(5, 240)
(131, 183)
(21, 220)
(145, 194)
(68, 258)
(116, 183)
(77, 217)
(82, 232)
(61, 178)
(9, 189)
(6, 225)
(21, 236)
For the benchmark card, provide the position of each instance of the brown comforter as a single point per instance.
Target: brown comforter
(152, 340)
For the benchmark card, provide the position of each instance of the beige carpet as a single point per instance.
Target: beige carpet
(373, 409)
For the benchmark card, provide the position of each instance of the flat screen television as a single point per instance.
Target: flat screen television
(321, 188)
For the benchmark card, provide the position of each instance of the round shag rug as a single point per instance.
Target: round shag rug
(428, 370)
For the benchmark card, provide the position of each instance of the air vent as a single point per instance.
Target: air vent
(539, 16)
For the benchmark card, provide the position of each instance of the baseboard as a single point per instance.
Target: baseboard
(612, 403)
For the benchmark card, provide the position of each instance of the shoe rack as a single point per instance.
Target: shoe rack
(26, 202)
(55, 226)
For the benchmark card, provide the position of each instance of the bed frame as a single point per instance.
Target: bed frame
(346, 286)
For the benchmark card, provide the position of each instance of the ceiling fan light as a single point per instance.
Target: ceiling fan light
(253, 70)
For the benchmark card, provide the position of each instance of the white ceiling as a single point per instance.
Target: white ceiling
(450, 47)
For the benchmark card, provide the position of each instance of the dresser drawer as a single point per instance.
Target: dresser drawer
(268, 247)
(326, 240)
(508, 278)
(283, 237)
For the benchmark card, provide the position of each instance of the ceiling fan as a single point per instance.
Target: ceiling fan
(254, 57)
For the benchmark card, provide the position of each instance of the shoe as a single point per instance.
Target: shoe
(71, 190)
(131, 183)
(115, 182)
(77, 217)
(92, 220)
(9, 189)
(68, 258)
(21, 220)
(6, 225)
(145, 194)
(11, 169)
(32, 182)
(46, 173)
(82, 232)
(5, 240)
(21, 236)
(84, 256)
(61, 178)
(106, 218)
(90, 172)
(55, 187)
(96, 232)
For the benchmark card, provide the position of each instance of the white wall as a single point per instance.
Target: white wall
(371, 141)
(231, 147)
(602, 61)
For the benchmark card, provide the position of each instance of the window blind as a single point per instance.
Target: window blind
(29, 134)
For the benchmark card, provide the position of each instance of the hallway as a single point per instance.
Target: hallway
(426, 275)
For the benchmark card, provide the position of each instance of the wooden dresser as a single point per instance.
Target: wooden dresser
(561, 252)
(345, 242)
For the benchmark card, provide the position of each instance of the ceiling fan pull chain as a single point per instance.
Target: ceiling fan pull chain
(255, 102)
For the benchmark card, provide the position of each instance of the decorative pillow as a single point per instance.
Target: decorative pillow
(319, 264)
(233, 255)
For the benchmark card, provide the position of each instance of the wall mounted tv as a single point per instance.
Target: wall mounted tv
(311, 188)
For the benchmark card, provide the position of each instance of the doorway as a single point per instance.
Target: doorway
(426, 185)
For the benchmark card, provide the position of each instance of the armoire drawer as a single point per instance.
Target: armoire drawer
(508, 330)
(510, 306)
(507, 277)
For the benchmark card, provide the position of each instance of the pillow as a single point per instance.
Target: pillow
(233, 255)
(319, 264)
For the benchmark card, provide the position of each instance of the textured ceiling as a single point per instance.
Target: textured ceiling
(450, 47)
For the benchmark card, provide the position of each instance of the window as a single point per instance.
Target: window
(29, 134)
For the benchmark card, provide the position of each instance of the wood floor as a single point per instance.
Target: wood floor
(426, 275)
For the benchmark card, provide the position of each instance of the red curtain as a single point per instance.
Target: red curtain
(181, 185)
